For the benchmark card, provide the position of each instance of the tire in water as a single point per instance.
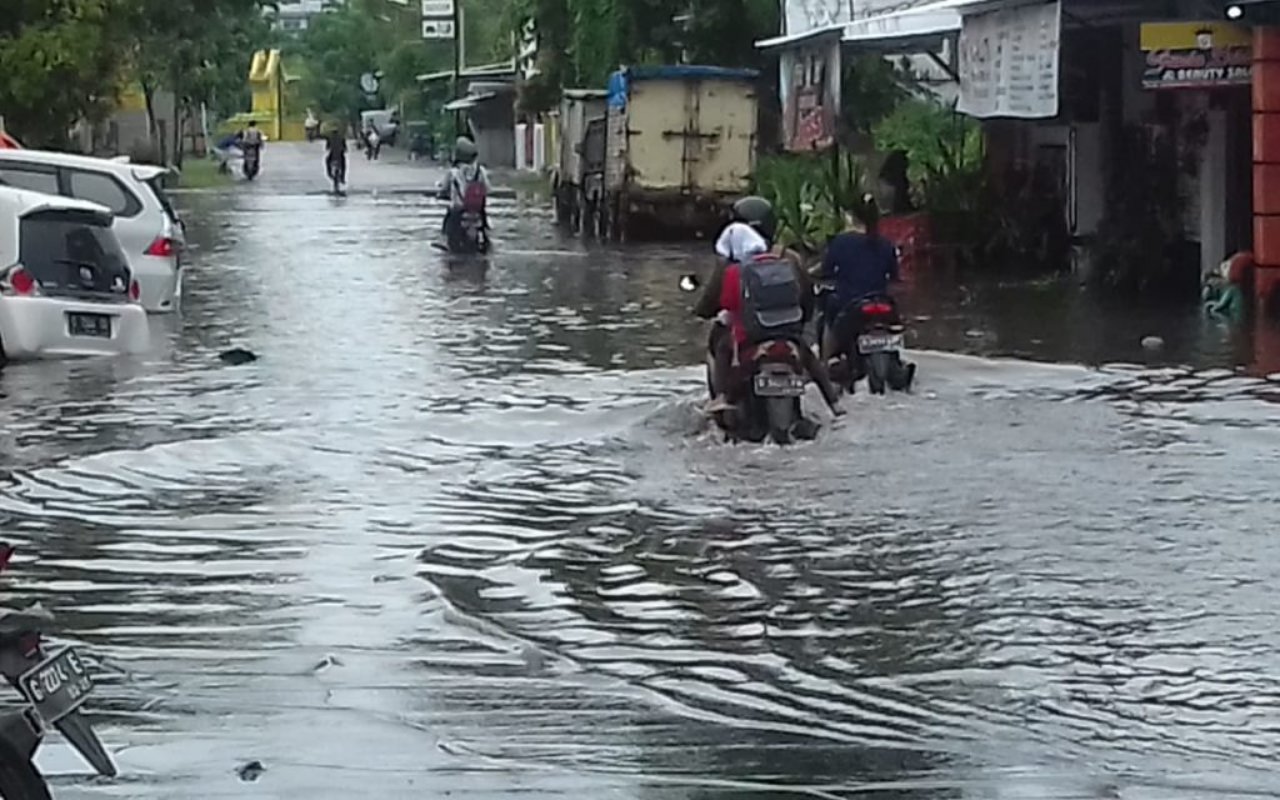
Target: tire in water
(781, 415)
(879, 366)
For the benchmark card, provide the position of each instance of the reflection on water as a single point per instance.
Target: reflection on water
(462, 526)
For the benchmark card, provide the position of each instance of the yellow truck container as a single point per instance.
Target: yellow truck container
(680, 147)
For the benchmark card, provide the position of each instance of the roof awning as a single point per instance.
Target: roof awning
(907, 30)
(505, 69)
(470, 101)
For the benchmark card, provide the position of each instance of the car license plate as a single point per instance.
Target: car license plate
(57, 686)
(95, 325)
(779, 384)
(879, 343)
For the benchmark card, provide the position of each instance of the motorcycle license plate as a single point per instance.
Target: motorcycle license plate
(879, 343)
(779, 384)
(57, 686)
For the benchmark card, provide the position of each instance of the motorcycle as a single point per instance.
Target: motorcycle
(56, 683)
(252, 162)
(874, 349)
(469, 235)
(770, 378)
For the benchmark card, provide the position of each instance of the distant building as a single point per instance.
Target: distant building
(294, 16)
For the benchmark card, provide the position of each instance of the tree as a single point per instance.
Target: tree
(59, 62)
(197, 49)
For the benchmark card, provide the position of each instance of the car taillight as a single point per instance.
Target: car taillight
(20, 282)
(163, 247)
(135, 291)
(877, 309)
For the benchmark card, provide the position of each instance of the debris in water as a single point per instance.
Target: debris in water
(1152, 343)
(534, 661)
(237, 356)
(326, 662)
(251, 771)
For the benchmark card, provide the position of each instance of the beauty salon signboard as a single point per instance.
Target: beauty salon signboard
(1196, 55)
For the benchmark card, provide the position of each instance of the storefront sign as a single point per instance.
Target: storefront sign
(1009, 62)
(811, 95)
(1196, 55)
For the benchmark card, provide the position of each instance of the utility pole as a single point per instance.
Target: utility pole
(457, 65)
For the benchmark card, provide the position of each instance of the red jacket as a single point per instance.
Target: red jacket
(731, 301)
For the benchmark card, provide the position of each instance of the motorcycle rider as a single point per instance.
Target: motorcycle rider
(468, 188)
(749, 235)
(860, 263)
(335, 154)
(252, 139)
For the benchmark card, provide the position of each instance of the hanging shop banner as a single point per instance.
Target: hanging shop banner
(1196, 55)
(810, 84)
(1009, 62)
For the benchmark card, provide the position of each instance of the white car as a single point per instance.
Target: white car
(65, 284)
(146, 224)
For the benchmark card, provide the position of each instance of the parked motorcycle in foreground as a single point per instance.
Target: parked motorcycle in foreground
(56, 683)
(874, 340)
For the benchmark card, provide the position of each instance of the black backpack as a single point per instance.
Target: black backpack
(772, 305)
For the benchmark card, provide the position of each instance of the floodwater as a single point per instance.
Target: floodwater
(461, 532)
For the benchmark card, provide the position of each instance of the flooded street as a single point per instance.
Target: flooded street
(463, 532)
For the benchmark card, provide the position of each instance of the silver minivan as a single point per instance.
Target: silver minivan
(146, 223)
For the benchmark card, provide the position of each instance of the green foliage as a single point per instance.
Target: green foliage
(813, 195)
(872, 88)
(375, 36)
(580, 42)
(58, 63)
(934, 137)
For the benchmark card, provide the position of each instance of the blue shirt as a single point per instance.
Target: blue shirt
(860, 265)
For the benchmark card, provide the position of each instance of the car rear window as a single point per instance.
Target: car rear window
(73, 253)
(156, 186)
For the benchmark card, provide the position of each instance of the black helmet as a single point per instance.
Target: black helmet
(758, 213)
(464, 149)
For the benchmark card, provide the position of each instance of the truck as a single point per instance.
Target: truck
(679, 146)
(578, 107)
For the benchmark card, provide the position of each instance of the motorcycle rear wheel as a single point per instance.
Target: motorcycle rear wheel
(879, 368)
(781, 416)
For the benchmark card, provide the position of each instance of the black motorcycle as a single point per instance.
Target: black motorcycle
(252, 162)
(872, 336)
(56, 683)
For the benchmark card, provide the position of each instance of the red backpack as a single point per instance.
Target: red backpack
(473, 194)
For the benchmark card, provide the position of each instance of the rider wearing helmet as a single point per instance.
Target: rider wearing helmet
(750, 235)
(468, 187)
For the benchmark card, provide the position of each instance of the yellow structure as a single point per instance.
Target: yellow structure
(267, 80)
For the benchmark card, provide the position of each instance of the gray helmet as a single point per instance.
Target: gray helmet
(464, 149)
(758, 213)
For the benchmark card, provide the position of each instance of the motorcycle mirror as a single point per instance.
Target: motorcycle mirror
(688, 283)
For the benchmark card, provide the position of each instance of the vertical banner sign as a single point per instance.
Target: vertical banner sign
(1196, 55)
(810, 84)
(1009, 62)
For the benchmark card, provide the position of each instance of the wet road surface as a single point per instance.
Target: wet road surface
(461, 532)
